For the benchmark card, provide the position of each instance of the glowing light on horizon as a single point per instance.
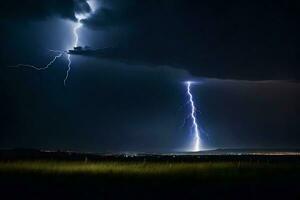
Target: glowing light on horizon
(196, 143)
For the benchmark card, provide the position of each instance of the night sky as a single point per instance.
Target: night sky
(244, 56)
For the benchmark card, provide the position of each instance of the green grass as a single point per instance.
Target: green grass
(138, 168)
(228, 171)
(148, 180)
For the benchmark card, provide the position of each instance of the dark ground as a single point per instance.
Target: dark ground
(251, 177)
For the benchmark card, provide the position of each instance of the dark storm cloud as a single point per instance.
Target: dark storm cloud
(224, 39)
(109, 106)
(120, 13)
(38, 9)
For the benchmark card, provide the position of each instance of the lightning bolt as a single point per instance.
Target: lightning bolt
(41, 68)
(68, 70)
(79, 17)
(76, 41)
(77, 26)
(196, 145)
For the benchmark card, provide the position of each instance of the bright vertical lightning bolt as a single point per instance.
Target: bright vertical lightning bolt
(196, 145)
(79, 17)
(76, 41)
(78, 25)
(68, 70)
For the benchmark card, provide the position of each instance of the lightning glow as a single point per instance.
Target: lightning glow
(82, 16)
(68, 70)
(196, 144)
(77, 26)
(79, 17)
(41, 68)
(76, 41)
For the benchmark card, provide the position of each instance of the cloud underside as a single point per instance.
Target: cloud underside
(39, 10)
(237, 39)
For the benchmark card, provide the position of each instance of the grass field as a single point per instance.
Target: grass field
(226, 171)
(149, 179)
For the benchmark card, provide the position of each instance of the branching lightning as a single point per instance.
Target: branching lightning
(77, 26)
(68, 70)
(79, 17)
(41, 68)
(196, 145)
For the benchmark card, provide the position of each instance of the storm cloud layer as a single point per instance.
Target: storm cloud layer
(39, 10)
(130, 95)
(250, 40)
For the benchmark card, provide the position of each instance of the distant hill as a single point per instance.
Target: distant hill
(210, 155)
